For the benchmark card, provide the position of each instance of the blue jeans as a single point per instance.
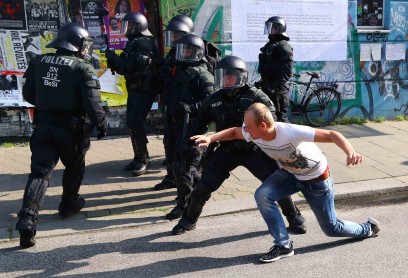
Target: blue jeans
(319, 195)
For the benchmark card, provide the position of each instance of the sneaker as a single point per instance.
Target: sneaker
(183, 226)
(66, 210)
(166, 183)
(140, 168)
(27, 238)
(375, 227)
(175, 213)
(296, 224)
(277, 252)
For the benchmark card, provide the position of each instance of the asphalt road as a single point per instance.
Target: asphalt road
(222, 246)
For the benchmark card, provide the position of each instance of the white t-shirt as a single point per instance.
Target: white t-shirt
(293, 148)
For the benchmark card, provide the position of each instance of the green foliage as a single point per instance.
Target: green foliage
(401, 118)
(13, 144)
(379, 119)
(349, 121)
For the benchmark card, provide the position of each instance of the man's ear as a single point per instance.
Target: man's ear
(263, 125)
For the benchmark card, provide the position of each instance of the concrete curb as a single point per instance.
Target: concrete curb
(151, 217)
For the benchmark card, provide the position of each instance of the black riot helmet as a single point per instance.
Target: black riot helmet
(134, 24)
(186, 20)
(75, 38)
(275, 25)
(231, 73)
(190, 48)
(174, 31)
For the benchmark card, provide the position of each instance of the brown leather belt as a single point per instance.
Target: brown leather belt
(322, 177)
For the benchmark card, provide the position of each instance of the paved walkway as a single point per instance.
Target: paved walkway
(115, 198)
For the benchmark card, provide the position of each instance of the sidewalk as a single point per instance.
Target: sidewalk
(116, 199)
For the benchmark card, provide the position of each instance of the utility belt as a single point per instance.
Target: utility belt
(322, 177)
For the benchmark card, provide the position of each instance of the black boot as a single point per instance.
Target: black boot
(130, 166)
(292, 213)
(67, 209)
(140, 167)
(166, 183)
(27, 238)
(26, 226)
(175, 213)
(183, 226)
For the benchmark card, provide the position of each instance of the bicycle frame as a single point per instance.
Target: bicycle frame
(299, 108)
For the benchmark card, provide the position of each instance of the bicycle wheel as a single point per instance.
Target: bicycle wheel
(322, 107)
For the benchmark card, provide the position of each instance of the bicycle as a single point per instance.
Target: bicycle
(321, 106)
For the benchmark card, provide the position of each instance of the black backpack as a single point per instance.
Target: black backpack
(212, 54)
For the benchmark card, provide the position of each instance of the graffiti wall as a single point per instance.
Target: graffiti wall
(372, 79)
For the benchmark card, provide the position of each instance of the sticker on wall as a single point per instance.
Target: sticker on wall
(394, 52)
(370, 52)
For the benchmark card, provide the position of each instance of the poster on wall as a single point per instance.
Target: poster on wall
(370, 13)
(90, 9)
(9, 93)
(34, 43)
(317, 29)
(117, 11)
(43, 15)
(12, 51)
(12, 15)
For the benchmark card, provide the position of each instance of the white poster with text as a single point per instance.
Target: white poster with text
(317, 28)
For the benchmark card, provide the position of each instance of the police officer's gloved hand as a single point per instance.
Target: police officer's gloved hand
(102, 130)
(182, 109)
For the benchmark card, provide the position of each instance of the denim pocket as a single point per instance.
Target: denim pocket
(319, 187)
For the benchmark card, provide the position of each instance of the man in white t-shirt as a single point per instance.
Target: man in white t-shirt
(304, 168)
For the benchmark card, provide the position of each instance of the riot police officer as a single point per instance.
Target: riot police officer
(63, 87)
(190, 83)
(174, 31)
(275, 65)
(136, 63)
(226, 108)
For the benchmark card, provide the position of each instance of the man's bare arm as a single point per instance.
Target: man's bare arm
(223, 135)
(331, 136)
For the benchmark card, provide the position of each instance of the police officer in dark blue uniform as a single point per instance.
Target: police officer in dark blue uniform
(191, 82)
(226, 108)
(63, 87)
(136, 63)
(174, 31)
(275, 66)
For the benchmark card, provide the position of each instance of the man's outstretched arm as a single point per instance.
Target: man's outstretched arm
(223, 135)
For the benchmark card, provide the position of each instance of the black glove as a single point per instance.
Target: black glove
(182, 109)
(102, 130)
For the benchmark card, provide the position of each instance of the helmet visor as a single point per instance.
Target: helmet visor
(170, 37)
(272, 28)
(230, 78)
(130, 28)
(188, 53)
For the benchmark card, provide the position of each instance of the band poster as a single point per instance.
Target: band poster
(113, 22)
(90, 9)
(12, 54)
(9, 92)
(12, 15)
(43, 15)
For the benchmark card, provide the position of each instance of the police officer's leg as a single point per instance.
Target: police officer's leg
(139, 104)
(262, 166)
(216, 172)
(284, 100)
(43, 160)
(72, 147)
(186, 164)
(169, 141)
